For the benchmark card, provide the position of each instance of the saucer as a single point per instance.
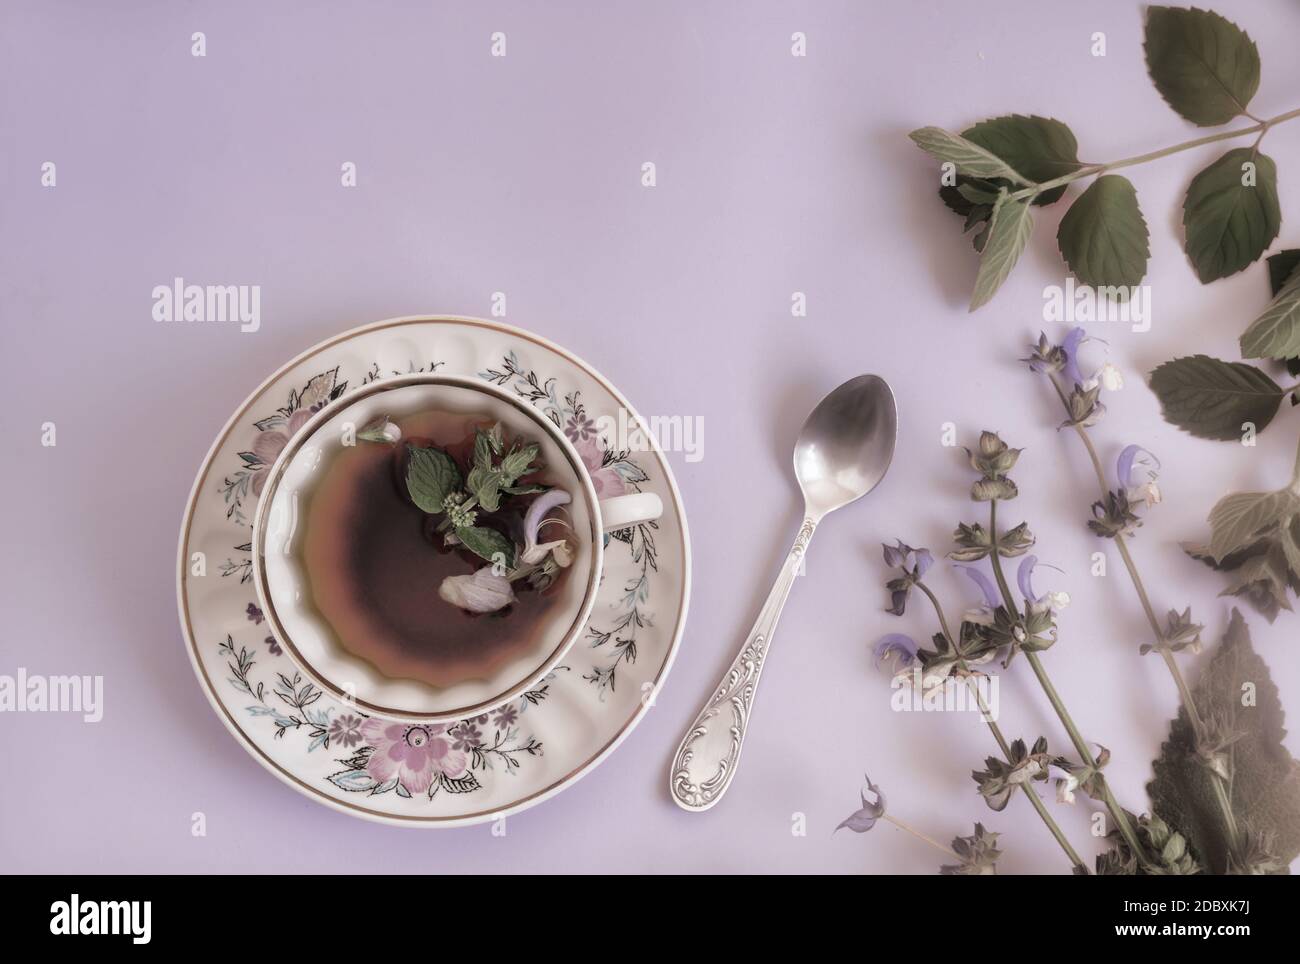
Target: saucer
(474, 770)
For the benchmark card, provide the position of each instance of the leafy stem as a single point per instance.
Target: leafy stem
(1080, 745)
(1184, 692)
(1089, 170)
(1047, 818)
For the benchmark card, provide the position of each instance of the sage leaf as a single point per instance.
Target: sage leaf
(487, 544)
(1103, 236)
(1231, 213)
(1238, 519)
(1276, 333)
(1280, 268)
(1213, 399)
(1009, 231)
(1264, 790)
(1040, 148)
(1204, 66)
(431, 476)
(967, 156)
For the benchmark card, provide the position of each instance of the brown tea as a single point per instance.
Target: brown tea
(375, 560)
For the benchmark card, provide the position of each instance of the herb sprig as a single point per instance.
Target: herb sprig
(995, 172)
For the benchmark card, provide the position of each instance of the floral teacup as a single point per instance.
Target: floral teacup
(282, 582)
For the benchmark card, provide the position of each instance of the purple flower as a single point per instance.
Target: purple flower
(580, 428)
(346, 730)
(466, 736)
(1136, 471)
(506, 716)
(860, 821)
(1070, 346)
(900, 650)
(273, 645)
(254, 613)
(1053, 601)
(981, 615)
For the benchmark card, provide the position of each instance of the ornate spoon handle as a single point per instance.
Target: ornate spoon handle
(709, 753)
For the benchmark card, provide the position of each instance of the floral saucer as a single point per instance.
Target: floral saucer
(423, 775)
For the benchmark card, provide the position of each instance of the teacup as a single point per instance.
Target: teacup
(284, 588)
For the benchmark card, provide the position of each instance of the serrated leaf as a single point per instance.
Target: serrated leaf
(1237, 519)
(1229, 223)
(487, 544)
(1103, 236)
(1276, 332)
(1205, 67)
(967, 156)
(1264, 792)
(517, 462)
(1213, 399)
(431, 476)
(1040, 148)
(1009, 231)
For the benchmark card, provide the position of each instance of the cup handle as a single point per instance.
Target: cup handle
(623, 511)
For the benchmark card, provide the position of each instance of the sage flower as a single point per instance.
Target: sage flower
(1113, 516)
(1136, 471)
(1002, 778)
(534, 551)
(981, 615)
(913, 563)
(484, 591)
(1044, 357)
(898, 649)
(863, 819)
(1052, 602)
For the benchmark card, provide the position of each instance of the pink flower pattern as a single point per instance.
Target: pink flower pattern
(414, 755)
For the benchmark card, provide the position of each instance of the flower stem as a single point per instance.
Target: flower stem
(1260, 128)
(1079, 866)
(947, 851)
(1080, 744)
(1184, 692)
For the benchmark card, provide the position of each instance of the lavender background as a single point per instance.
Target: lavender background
(521, 174)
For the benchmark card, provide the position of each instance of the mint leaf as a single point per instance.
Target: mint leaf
(1205, 67)
(1213, 399)
(1276, 332)
(1103, 236)
(530, 488)
(967, 156)
(1040, 148)
(517, 462)
(1264, 789)
(431, 476)
(1228, 220)
(1237, 520)
(1009, 231)
(487, 544)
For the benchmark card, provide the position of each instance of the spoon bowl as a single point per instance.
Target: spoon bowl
(846, 444)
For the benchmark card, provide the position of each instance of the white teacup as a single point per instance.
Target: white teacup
(282, 581)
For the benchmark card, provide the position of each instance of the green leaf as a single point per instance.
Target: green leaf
(431, 476)
(1236, 693)
(1009, 230)
(1280, 267)
(1040, 148)
(1103, 236)
(487, 544)
(1238, 519)
(1229, 222)
(967, 156)
(485, 485)
(517, 462)
(1213, 399)
(1276, 333)
(1205, 67)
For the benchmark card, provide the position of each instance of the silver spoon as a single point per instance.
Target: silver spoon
(842, 453)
